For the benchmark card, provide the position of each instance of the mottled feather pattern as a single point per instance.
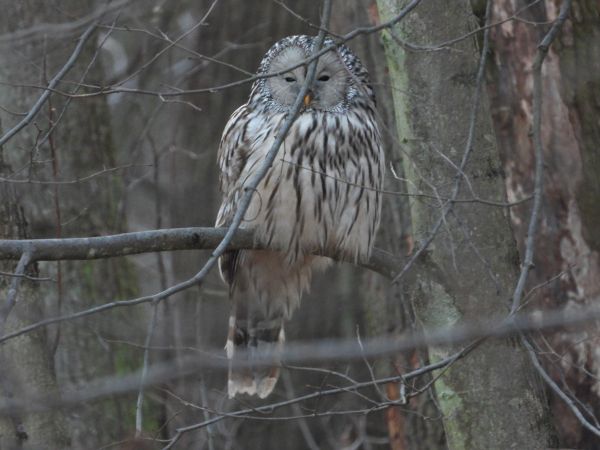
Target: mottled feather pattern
(322, 194)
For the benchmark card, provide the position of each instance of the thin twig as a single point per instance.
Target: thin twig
(61, 73)
(539, 152)
(242, 207)
(304, 428)
(60, 30)
(140, 399)
(332, 351)
(474, 199)
(346, 349)
(127, 383)
(468, 148)
(176, 44)
(73, 181)
(202, 21)
(448, 44)
(104, 90)
(254, 181)
(244, 201)
(65, 106)
(305, 20)
(323, 393)
(24, 275)
(538, 62)
(382, 396)
(556, 388)
(209, 430)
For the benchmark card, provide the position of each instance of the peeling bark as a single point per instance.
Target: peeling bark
(567, 261)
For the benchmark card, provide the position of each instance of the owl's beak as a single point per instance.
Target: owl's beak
(308, 98)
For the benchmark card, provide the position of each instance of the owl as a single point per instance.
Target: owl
(321, 195)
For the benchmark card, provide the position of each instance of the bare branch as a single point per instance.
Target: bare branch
(175, 44)
(157, 241)
(539, 153)
(24, 275)
(106, 90)
(64, 29)
(304, 428)
(144, 374)
(170, 45)
(160, 373)
(448, 44)
(323, 393)
(474, 198)
(61, 73)
(73, 181)
(556, 388)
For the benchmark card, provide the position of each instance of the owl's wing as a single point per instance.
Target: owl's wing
(231, 158)
(233, 150)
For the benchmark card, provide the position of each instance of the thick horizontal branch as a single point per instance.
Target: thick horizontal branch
(195, 238)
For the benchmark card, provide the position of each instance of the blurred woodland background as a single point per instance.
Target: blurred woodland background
(126, 141)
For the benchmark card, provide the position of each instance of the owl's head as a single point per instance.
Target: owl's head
(340, 77)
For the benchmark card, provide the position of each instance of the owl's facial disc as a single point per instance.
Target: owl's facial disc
(329, 87)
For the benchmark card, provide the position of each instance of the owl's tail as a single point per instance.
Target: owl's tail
(264, 290)
(254, 349)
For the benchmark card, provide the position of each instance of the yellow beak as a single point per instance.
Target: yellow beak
(307, 99)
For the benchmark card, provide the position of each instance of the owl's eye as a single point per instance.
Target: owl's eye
(323, 78)
(289, 79)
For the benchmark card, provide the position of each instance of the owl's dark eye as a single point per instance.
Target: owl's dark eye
(289, 79)
(323, 78)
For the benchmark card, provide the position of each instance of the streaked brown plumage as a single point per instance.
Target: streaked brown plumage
(321, 194)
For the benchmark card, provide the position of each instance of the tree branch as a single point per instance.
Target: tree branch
(106, 90)
(557, 389)
(61, 73)
(538, 189)
(134, 243)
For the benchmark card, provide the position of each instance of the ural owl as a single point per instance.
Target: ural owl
(322, 194)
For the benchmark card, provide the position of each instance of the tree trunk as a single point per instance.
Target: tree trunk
(568, 240)
(385, 309)
(26, 366)
(474, 253)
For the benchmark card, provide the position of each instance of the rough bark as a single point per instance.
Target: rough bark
(474, 253)
(26, 366)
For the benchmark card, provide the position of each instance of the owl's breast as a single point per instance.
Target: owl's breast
(323, 191)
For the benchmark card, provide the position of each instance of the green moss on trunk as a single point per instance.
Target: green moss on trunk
(490, 399)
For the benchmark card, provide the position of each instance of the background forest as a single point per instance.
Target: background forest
(110, 117)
